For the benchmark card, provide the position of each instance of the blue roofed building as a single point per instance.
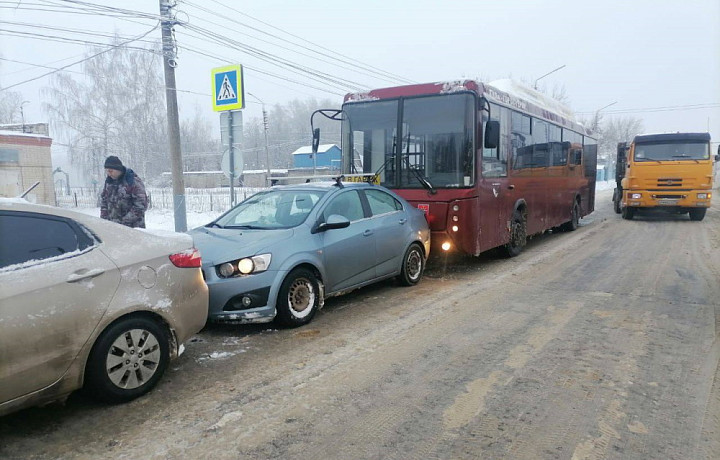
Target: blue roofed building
(328, 157)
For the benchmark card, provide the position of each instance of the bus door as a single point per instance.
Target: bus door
(496, 198)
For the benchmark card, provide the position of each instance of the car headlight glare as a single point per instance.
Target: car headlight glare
(246, 266)
(226, 270)
(635, 196)
(702, 196)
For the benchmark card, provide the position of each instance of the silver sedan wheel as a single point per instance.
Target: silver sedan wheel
(301, 297)
(414, 264)
(133, 359)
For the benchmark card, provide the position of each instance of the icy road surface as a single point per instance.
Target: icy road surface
(596, 344)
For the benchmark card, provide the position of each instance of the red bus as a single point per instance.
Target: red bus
(491, 164)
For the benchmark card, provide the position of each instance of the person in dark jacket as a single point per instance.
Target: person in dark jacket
(123, 198)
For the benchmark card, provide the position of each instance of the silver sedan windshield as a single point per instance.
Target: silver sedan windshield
(272, 209)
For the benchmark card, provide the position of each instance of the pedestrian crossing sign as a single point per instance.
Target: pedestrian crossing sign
(228, 91)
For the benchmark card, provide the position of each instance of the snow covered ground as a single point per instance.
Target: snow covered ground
(162, 219)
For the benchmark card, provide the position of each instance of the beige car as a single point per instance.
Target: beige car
(88, 303)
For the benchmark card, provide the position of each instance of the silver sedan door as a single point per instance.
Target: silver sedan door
(348, 253)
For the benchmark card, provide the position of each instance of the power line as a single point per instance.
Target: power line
(111, 47)
(270, 74)
(671, 108)
(274, 59)
(354, 61)
(72, 31)
(367, 70)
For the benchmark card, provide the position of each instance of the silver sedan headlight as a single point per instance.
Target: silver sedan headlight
(244, 266)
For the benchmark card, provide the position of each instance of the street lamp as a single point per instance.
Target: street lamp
(22, 114)
(596, 118)
(265, 126)
(552, 71)
(605, 107)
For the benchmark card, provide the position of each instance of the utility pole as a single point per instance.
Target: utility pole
(265, 128)
(169, 64)
(267, 152)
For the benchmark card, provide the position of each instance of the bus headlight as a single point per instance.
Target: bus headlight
(454, 228)
(703, 196)
(445, 246)
(635, 196)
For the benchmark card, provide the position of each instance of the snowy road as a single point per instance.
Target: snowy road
(600, 343)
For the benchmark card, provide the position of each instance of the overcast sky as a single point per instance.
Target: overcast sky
(657, 60)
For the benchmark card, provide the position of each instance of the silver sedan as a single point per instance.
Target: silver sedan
(280, 253)
(87, 302)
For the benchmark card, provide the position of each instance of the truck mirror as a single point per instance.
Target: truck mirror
(315, 140)
(492, 134)
(577, 157)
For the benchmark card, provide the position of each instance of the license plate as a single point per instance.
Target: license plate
(667, 201)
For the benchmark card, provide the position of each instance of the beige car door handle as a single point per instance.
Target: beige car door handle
(84, 274)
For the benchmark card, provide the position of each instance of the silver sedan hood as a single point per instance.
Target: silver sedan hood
(214, 243)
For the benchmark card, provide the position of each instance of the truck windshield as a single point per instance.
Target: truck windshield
(672, 151)
(434, 148)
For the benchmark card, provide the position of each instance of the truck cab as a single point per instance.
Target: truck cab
(671, 172)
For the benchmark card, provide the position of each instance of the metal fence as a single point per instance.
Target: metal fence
(196, 199)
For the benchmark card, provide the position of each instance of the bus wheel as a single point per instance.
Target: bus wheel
(628, 213)
(616, 204)
(574, 221)
(518, 234)
(697, 214)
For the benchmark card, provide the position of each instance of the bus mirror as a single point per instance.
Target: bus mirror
(492, 134)
(316, 140)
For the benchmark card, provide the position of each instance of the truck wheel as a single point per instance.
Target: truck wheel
(628, 213)
(697, 214)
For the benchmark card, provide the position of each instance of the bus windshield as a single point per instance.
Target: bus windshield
(672, 151)
(431, 146)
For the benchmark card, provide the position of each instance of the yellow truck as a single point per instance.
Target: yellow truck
(671, 172)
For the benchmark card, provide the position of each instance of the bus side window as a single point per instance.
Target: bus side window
(494, 161)
(521, 140)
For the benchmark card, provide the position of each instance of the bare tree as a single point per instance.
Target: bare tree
(289, 129)
(614, 130)
(114, 110)
(200, 151)
(10, 106)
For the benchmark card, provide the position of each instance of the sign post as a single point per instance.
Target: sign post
(229, 96)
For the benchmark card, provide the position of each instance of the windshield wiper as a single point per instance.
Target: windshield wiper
(687, 157)
(418, 175)
(248, 227)
(214, 224)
